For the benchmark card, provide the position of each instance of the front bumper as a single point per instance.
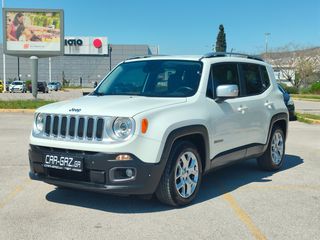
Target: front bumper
(98, 172)
(16, 90)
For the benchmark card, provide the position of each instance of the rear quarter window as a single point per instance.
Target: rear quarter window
(264, 77)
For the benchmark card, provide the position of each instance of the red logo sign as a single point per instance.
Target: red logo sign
(97, 43)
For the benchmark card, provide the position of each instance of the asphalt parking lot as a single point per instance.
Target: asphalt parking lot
(237, 202)
(307, 106)
(52, 95)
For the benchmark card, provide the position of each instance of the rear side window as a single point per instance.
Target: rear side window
(224, 73)
(265, 77)
(252, 79)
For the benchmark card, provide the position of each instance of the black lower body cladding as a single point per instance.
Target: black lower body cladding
(100, 172)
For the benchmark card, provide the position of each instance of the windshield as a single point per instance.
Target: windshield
(52, 83)
(17, 83)
(155, 78)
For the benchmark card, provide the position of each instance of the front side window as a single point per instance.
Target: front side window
(225, 74)
(154, 78)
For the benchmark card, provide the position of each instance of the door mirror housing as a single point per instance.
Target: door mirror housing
(227, 91)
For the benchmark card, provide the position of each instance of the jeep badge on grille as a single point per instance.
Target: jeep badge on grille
(75, 110)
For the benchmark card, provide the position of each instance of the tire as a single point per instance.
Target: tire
(180, 180)
(273, 158)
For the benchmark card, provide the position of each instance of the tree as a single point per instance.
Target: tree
(283, 59)
(298, 65)
(221, 44)
(65, 82)
(305, 70)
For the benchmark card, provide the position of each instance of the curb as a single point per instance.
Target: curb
(306, 99)
(17, 110)
(313, 121)
(310, 120)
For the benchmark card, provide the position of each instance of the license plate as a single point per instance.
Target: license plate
(63, 162)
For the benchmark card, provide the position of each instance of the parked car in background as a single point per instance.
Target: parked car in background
(54, 86)
(289, 103)
(59, 85)
(1, 86)
(18, 86)
(8, 83)
(42, 87)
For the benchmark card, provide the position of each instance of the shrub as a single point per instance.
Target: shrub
(305, 90)
(290, 90)
(28, 84)
(315, 88)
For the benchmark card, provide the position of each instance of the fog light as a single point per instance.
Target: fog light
(123, 157)
(129, 173)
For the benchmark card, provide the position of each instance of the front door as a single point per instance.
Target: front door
(229, 122)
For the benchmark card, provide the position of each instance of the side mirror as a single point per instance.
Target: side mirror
(227, 91)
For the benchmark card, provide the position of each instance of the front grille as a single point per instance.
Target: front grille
(88, 128)
(69, 175)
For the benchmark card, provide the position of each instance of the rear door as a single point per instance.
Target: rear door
(256, 95)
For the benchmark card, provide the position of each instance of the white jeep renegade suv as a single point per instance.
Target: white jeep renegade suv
(158, 124)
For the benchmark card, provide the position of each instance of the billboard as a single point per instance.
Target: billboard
(86, 46)
(33, 32)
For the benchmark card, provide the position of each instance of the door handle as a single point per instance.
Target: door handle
(268, 104)
(242, 109)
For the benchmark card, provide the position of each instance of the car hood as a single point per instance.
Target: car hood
(117, 106)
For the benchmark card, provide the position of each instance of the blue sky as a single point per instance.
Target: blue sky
(190, 26)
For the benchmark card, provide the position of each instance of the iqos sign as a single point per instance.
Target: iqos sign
(73, 42)
(79, 45)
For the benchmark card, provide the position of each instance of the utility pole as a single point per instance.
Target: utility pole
(19, 68)
(4, 56)
(49, 69)
(266, 37)
(34, 71)
(110, 50)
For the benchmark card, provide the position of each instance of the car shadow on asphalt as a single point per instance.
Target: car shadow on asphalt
(213, 185)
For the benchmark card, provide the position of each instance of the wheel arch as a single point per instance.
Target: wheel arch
(197, 135)
(281, 120)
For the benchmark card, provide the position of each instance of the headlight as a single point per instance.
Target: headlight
(123, 128)
(39, 124)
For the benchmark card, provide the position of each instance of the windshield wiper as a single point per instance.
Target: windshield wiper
(95, 93)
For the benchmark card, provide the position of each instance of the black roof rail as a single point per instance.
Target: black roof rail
(230, 54)
(137, 57)
(144, 56)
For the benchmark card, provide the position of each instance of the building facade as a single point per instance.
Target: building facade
(73, 68)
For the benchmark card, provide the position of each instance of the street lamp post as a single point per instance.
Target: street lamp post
(19, 68)
(49, 61)
(110, 50)
(4, 60)
(266, 37)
